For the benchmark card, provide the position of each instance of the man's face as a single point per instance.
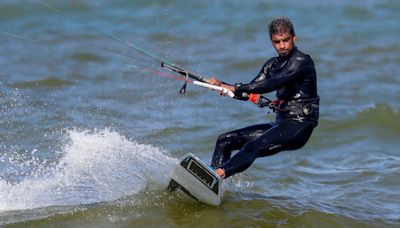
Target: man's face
(283, 43)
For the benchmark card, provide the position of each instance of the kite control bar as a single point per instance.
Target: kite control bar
(214, 87)
(198, 80)
(183, 72)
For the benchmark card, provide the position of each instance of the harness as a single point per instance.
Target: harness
(299, 109)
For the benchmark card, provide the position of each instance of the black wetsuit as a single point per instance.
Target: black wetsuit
(294, 79)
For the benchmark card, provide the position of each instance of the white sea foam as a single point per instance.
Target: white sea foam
(96, 166)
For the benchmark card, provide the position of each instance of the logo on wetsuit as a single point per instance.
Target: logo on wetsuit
(275, 146)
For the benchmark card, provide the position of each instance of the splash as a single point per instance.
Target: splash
(96, 166)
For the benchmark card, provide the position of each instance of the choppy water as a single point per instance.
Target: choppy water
(89, 137)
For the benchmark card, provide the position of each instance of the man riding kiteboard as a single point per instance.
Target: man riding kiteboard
(292, 75)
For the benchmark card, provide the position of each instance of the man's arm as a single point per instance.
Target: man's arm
(278, 80)
(216, 82)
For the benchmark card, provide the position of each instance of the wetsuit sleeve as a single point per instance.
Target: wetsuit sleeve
(288, 74)
(260, 76)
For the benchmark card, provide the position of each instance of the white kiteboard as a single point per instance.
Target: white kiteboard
(197, 180)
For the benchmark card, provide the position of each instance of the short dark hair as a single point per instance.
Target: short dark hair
(280, 25)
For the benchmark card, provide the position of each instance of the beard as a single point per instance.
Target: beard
(283, 53)
(287, 52)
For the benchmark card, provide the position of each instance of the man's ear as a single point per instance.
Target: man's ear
(294, 38)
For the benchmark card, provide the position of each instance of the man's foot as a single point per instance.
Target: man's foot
(220, 172)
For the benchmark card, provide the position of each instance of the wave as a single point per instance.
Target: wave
(49, 82)
(271, 211)
(378, 117)
(96, 166)
(87, 57)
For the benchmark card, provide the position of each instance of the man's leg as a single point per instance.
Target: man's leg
(234, 140)
(287, 135)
